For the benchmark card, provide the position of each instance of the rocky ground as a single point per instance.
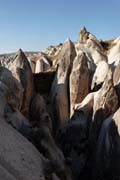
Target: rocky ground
(60, 112)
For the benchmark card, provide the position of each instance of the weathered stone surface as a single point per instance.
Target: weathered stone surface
(14, 89)
(21, 71)
(108, 150)
(74, 141)
(92, 46)
(60, 88)
(18, 158)
(42, 65)
(79, 81)
(114, 52)
(87, 104)
(32, 65)
(116, 80)
(15, 118)
(100, 74)
(38, 112)
(65, 114)
(105, 104)
(106, 99)
(43, 137)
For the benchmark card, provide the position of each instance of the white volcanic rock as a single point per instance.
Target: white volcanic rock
(100, 74)
(42, 65)
(91, 46)
(106, 98)
(114, 53)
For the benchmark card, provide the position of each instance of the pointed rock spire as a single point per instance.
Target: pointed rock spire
(79, 80)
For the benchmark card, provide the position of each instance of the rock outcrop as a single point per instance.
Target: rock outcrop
(60, 112)
(114, 52)
(21, 71)
(108, 149)
(60, 88)
(99, 75)
(43, 137)
(105, 104)
(79, 80)
(42, 65)
(19, 159)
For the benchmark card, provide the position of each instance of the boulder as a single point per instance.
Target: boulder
(79, 80)
(60, 88)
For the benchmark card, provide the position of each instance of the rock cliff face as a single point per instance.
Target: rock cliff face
(60, 112)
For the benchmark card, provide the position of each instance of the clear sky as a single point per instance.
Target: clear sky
(36, 24)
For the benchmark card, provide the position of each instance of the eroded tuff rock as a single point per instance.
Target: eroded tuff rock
(90, 39)
(99, 75)
(114, 52)
(38, 112)
(42, 65)
(91, 46)
(70, 115)
(32, 65)
(94, 51)
(116, 80)
(108, 149)
(73, 139)
(105, 103)
(18, 158)
(21, 71)
(14, 88)
(79, 80)
(44, 140)
(60, 88)
(106, 99)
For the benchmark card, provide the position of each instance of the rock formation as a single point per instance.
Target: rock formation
(79, 80)
(21, 71)
(42, 65)
(19, 159)
(107, 156)
(60, 111)
(105, 104)
(60, 88)
(99, 75)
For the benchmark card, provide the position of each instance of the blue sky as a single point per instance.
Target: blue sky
(36, 24)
